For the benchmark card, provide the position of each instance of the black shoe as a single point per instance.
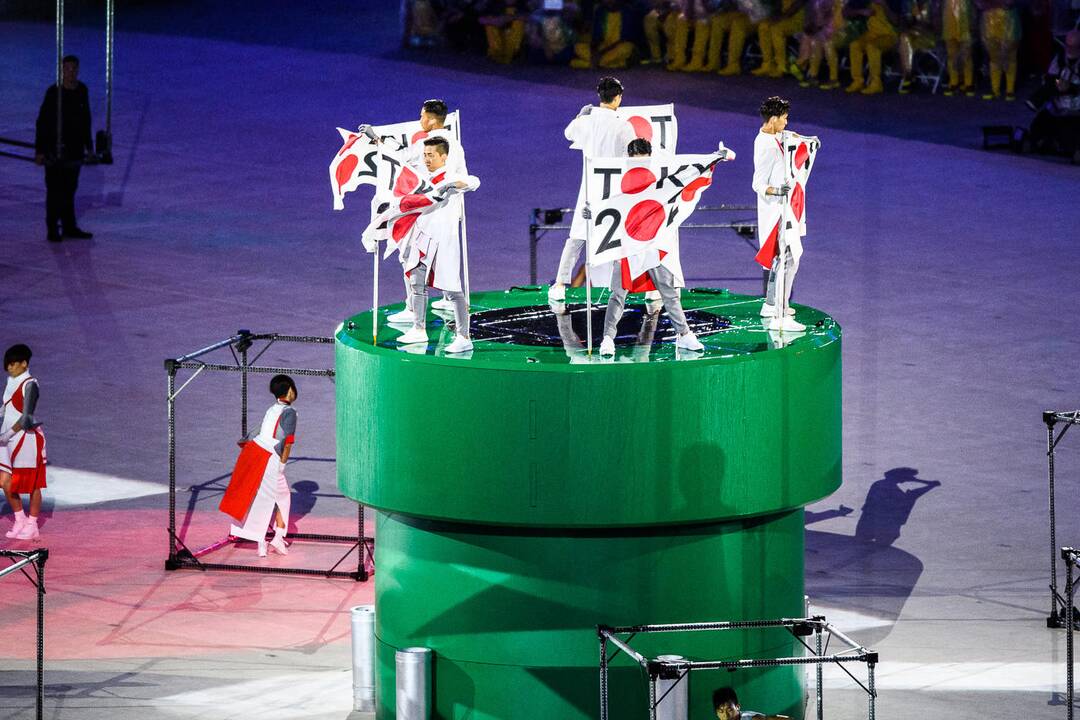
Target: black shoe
(55, 236)
(78, 234)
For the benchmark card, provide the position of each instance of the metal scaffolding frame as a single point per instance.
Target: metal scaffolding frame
(1059, 605)
(240, 347)
(20, 561)
(103, 141)
(678, 670)
(542, 220)
(1071, 557)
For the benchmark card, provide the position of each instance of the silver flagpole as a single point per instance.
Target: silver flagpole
(375, 298)
(781, 271)
(588, 261)
(464, 234)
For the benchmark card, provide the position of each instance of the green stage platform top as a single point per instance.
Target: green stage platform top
(516, 329)
(529, 431)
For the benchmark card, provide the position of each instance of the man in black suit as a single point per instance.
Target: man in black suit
(63, 163)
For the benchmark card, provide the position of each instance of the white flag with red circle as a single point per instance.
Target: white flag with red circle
(800, 152)
(637, 204)
(655, 123)
(358, 161)
(394, 217)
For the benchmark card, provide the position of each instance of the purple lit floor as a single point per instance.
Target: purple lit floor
(952, 270)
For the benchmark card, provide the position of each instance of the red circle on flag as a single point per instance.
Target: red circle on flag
(693, 187)
(406, 182)
(798, 201)
(637, 179)
(402, 226)
(345, 169)
(641, 126)
(644, 220)
(802, 154)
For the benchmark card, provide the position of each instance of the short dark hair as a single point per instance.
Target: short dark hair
(17, 353)
(280, 385)
(774, 106)
(723, 696)
(608, 89)
(639, 147)
(70, 59)
(441, 145)
(436, 108)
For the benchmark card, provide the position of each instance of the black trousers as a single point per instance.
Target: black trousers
(61, 181)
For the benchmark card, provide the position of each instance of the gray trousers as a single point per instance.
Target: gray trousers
(418, 295)
(665, 284)
(790, 268)
(570, 253)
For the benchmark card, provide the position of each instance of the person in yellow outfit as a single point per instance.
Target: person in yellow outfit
(735, 18)
(699, 15)
(505, 30)
(661, 27)
(773, 33)
(825, 32)
(956, 32)
(1000, 36)
(880, 35)
(611, 45)
(919, 32)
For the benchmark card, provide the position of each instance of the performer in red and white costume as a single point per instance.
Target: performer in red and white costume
(432, 125)
(432, 252)
(771, 185)
(258, 483)
(597, 132)
(22, 444)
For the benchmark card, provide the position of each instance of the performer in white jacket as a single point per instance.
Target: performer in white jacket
(258, 490)
(22, 444)
(597, 132)
(432, 255)
(664, 279)
(771, 185)
(432, 125)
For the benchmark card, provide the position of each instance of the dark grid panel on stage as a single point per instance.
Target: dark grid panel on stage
(541, 220)
(20, 560)
(1060, 608)
(677, 670)
(240, 346)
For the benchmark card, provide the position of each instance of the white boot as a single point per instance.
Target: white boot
(788, 325)
(20, 520)
(413, 335)
(278, 543)
(29, 531)
(402, 317)
(607, 346)
(689, 341)
(262, 548)
(459, 344)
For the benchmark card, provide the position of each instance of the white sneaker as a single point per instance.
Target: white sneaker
(19, 523)
(459, 344)
(413, 335)
(29, 531)
(443, 304)
(402, 317)
(689, 341)
(607, 346)
(557, 292)
(768, 310)
(262, 548)
(788, 325)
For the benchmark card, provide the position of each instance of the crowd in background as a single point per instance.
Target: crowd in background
(968, 47)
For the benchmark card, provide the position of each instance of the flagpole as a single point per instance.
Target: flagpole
(781, 272)
(464, 231)
(375, 298)
(588, 260)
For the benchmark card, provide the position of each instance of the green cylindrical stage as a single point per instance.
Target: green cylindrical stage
(528, 493)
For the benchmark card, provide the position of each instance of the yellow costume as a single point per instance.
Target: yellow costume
(504, 39)
(613, 51)
(880, 36)
(1000, 36)
(773, 34)
(956, 32)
